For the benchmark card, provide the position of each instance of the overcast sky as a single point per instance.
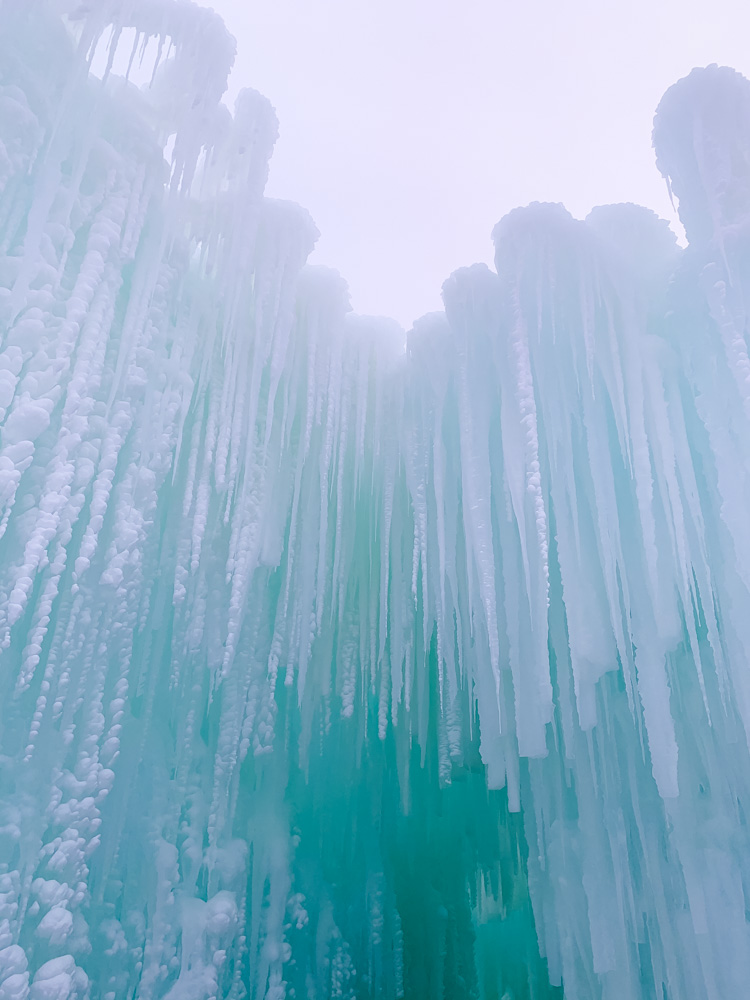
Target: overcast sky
(409, 127)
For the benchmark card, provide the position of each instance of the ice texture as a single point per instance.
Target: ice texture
(340, 662)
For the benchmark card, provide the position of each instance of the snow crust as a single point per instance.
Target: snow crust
(298, 611)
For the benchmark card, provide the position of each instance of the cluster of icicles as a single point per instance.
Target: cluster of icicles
(272, 576)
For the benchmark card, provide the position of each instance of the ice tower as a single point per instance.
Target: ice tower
(342, 662)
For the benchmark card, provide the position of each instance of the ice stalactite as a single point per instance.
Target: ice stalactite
(338, 661)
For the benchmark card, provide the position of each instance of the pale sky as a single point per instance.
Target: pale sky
(409, 127)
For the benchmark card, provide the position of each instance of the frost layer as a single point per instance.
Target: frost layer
(337, 663)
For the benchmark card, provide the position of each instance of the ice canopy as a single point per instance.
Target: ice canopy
(338, 661)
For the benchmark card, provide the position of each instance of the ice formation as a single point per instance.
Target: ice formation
(338, 662)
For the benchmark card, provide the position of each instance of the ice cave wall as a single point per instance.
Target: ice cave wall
(341, 663)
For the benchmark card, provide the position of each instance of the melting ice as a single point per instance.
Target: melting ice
(338, 662)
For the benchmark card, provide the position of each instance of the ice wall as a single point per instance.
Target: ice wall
(338, 662)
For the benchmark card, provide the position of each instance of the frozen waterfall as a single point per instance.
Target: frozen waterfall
(340, 662)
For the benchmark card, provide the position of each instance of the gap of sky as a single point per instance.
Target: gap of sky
(408, 128)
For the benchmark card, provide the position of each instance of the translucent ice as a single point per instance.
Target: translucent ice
(338, 661)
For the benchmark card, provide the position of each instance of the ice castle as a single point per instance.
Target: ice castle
(341, 662)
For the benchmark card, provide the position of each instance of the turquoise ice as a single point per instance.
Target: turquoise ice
(338, 661)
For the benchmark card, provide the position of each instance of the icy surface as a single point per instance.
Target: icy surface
(338, 662)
